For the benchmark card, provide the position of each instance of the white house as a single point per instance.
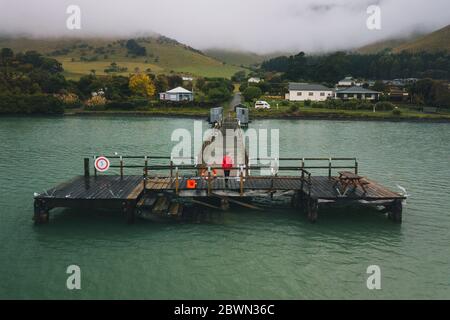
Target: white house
(177, 94)
(254, 80)
(357, 93)
(187, 78)
(349, 82)
(308, 91)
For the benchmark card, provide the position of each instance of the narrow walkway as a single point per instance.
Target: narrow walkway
(231, 144)
(237, 99)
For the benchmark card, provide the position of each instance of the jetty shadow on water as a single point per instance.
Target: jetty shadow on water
(366, 225)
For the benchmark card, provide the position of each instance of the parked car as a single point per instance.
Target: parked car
(262, 105)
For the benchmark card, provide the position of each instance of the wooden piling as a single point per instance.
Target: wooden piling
(41, 212)
(121, 167)
(329, 168)
(86, 167)
(95, 169)
(146, 166)
(241, 182)
(313, 207)
(177, 184)
(209, 181)
(395, 210)
(128, 209)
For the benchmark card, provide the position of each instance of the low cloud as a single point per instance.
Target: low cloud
(254, 25)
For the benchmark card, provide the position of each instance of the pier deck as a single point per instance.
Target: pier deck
(105, 187)
(105, 191)
(124, 192)
(320, 188)
(324, 188)
(160, 186)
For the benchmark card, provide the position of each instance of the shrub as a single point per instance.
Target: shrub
(384, 106)
(307, 103)
(96, 103)
(219, 94)
(70, 100)
(350, 105)
(132, 104)
(333, 104)
(284, 103)
(252, 93)
(318, 105)
(364, 106)
(119, 105)
(294, 108)
(396, 112)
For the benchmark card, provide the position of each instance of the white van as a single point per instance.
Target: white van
(262, 105)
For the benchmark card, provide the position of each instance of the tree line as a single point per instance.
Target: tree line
(331, 68)
(33, 83)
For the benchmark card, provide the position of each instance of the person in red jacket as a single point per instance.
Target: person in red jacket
(227, 164)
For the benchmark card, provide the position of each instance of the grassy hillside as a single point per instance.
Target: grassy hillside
(240, 58)
(381, 46)
(436, 41)
(164, 55)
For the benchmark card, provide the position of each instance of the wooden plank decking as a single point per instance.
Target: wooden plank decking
(107, 187)
(325, 188)
(322, 187)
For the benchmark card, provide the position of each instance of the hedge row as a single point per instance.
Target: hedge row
(353, 105)
(30, 104)
(139, 103)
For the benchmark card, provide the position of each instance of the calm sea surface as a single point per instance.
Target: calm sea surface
(275, 254)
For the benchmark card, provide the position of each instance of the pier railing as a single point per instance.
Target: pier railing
(318, 163)
(277, 164)
(204, 172)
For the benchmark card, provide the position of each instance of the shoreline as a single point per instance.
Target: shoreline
(266, 117)
(299, 116)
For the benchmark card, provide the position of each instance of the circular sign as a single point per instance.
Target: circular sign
(101, 164)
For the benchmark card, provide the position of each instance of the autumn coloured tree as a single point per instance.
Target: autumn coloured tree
(141, 84)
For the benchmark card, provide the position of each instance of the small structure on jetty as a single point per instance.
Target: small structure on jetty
(215, 115)
(163, 189)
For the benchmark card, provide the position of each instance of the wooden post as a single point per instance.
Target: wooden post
(302, 180)
(95, 170)
(41, 212)
(241, 182)
(209, 181)
(171, 170)
(86, 167)
(356, 167)
(329, 168)
(121, 167)
(145, 180)
(309, 184)
(271, 187)
(145, 166)
(313, 207)
(128, 210)
(395, 211)
(176, 181)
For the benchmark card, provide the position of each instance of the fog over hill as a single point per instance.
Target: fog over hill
(251, 25)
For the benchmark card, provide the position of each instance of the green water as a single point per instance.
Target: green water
(244, 254)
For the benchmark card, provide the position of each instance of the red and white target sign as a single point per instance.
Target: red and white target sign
(101, 164)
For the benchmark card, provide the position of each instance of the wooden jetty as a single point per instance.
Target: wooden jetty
(162, 189)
